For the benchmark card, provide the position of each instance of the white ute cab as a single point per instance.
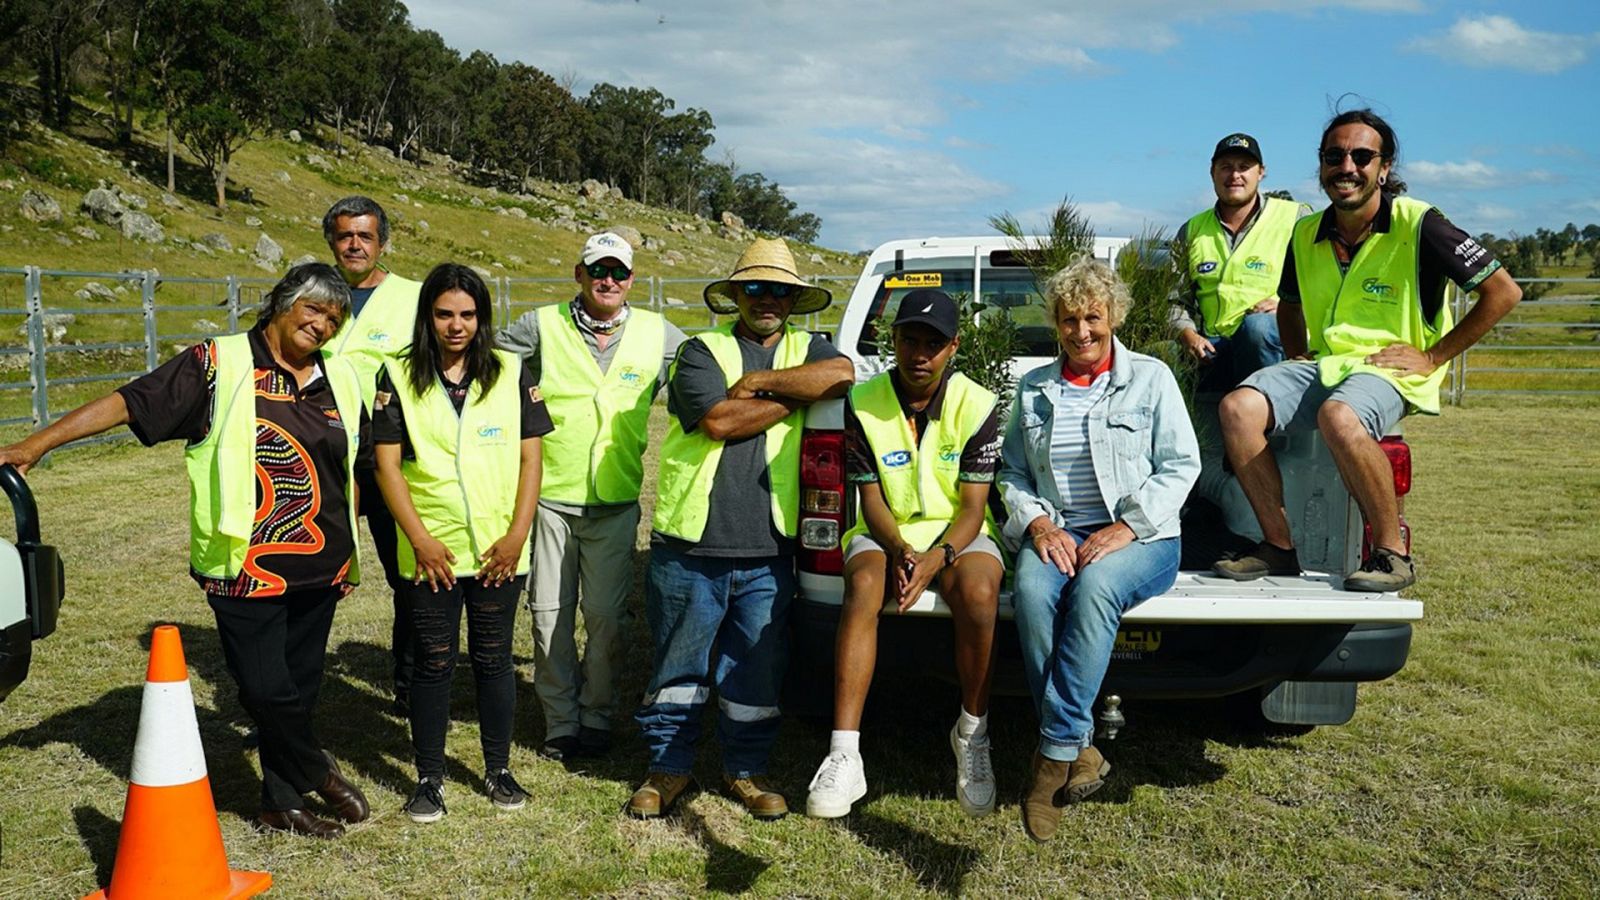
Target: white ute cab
(31, 585)
(1292, 649)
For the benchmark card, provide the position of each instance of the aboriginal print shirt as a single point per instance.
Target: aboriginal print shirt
(301, 539)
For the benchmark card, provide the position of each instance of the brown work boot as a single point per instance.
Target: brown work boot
(1087, 774)
(1041, 805)
(757, 796)
(655, 797)
(345, 798)
(1262, 559)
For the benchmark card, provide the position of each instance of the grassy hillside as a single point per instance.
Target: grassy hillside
(436, 213)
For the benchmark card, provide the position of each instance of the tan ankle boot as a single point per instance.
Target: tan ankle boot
(1041, 805)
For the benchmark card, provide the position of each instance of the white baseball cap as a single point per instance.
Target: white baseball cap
(599, 246)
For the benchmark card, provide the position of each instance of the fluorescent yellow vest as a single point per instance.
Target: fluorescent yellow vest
(1353, 314)
(920, 480)
(1228, 282)
(689, 461)
(222, 468)
(596, 452)
(382, 330)
(463, 481)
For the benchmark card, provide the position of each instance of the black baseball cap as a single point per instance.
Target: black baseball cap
(930, 307)
(1238, 142)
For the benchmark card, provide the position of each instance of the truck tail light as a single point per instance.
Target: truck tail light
(1399, 453)
(821, 501)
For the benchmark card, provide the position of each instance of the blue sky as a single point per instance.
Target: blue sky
(901, 119)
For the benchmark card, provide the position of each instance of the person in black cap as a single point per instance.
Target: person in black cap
(1226, 317)
(922, 448)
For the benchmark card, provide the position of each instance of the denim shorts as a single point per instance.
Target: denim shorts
(1294, 391)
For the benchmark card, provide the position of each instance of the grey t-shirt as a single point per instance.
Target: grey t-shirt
(522, 338)
(739, 522)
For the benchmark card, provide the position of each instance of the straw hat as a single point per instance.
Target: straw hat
(766, 259)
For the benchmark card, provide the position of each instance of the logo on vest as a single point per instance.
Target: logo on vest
(1206, 268)
(1258, 265)
(491, 433)
(896, 458)
(378, 336)
(1377, 288)
(949, 454)
(630, 376)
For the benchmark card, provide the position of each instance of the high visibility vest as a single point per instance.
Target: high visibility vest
(463, 479)
(920, 479)
(689, 461)
(1229, 281)
(1377, 302)
(381, 330)
(596, 452)
(222, 467)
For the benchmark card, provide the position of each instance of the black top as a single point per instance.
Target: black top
(302, 540)
(389, 419)
(1444, 251)
(980, 456)
(739, 523)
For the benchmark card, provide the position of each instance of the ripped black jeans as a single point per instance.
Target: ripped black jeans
(491, 619)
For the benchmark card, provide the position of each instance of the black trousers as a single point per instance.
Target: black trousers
(274, 647)
(491, 622)
(381, 524)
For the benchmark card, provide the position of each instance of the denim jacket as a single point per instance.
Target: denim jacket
(1140, 438)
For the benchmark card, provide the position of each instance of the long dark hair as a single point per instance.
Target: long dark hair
(422, 358)
(1390, 145)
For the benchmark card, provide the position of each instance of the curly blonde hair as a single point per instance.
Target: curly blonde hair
(1084, 283)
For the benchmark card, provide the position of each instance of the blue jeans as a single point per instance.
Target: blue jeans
(737, 609)
(1068, 625)
(1255, 345)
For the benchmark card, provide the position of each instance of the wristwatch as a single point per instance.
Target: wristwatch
(949, 554)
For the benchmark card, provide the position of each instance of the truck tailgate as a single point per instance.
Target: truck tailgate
(1200, 597)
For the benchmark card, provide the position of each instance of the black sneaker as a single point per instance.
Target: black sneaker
(1382, 572)
(503, 790)
(593, 742)
(560, 748)
(427, 801)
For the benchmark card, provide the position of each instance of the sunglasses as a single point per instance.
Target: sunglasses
(754, 289)
(1332, 156)
(618, 273)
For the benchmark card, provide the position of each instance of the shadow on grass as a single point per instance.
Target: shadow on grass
(729, 870)
(99, 835)
(937, 865)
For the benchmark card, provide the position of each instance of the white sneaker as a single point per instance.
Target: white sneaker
(840, 781)
(974, 774)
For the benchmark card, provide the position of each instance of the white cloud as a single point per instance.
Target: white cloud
(1468, 175)
(1498, 42)
(825, 96)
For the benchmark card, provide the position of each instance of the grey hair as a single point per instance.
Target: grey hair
(355, 205)
(1083, 283)
(313, 281)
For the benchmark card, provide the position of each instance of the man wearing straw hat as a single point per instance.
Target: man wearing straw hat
(606, 362)
(727, 508)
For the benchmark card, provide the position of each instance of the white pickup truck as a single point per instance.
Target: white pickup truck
(31, 585)
(1293, 649)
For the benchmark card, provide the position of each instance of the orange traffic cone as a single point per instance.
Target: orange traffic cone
(171, 844)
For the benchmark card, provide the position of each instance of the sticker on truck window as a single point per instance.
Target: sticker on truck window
(915, 280)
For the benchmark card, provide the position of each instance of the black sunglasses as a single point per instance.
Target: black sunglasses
(619, 273)
(779, 291)
(1332, 156)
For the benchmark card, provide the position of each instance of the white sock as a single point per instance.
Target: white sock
(970, 726)
(845, 742)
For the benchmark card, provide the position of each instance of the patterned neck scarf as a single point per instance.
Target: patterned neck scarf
(596, 325)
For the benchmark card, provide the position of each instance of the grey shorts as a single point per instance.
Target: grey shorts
(1295, 392)
(862, 543)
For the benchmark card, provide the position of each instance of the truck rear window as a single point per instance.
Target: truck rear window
(1003, 291)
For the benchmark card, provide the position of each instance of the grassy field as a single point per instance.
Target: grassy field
(1472, 772)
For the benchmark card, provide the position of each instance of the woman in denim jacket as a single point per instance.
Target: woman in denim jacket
(1098, 457)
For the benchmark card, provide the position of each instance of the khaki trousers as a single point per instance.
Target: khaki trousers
(587, 562)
